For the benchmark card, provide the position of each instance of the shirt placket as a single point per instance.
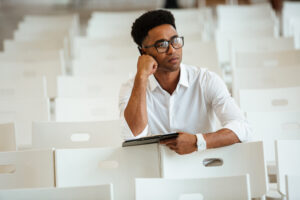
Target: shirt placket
(171, 112)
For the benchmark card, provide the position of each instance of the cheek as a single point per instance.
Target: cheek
(161, 58)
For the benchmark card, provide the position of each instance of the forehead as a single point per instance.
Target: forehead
(165, 31)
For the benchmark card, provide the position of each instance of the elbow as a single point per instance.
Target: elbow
(136, 127)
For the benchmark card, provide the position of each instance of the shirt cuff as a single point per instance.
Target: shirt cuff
(201, 143)
(127, 134)
(242, 130)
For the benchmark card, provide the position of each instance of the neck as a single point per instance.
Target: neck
(168, 80)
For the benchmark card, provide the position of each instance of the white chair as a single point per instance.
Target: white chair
(223, 39)
(231, 187)
(263, 78)
(274, 99)
(86, 109)
(23, 112)
(267, 59)
(89, 87)
(263, 44)
(112, 23)
(268, 44)
(25, 70)
(26, 169)
(105, 67)
(119, 166)
(202, 54)
(76, 134)
(107, 52)
(23, 88)
(11, 45)
(58, 19)
(290, 10)
(278, 126)
(7, 137)
(31, 56)
(296, 35)
(98, 192)
(225, 161)
(33, 24)
(252, 23)
(292, 186)
(287, 160)
(232, 11)
(86, 43)
(29, 35)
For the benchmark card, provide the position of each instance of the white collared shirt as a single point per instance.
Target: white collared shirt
(199, 97)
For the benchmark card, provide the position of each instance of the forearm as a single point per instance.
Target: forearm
(220, 138)
(136, 111)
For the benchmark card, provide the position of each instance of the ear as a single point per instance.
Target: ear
(141, 51)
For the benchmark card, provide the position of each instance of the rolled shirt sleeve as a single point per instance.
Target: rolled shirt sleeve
(124, 96)
(226, 108)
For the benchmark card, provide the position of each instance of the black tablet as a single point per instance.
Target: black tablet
(149, 139)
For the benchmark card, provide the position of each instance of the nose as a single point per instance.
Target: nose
(171, 49)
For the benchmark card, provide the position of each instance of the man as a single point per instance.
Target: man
(167, 96)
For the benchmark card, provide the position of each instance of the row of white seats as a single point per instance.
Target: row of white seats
(231, 26)
(83, 167)
(120, 166)
(81, 98)
(161, 189)
(97, 51)
(41, 47)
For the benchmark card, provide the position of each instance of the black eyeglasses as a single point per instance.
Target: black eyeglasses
(162, 46)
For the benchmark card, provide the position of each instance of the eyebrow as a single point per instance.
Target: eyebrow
(162, 40)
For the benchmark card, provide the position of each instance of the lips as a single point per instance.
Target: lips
(173, 59)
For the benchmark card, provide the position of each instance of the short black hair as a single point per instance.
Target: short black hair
(148, 21)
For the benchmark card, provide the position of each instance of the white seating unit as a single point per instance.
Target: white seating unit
(274, 99)
(97, 192)
(225, 161)
(119, 166)
(292, 186)
(278, 126)
(287, 161)
(263, 78)
(26, 169)
(7, 137)
(86, 109)
(23, 112)
(229, 188)
(23, 88)
(22, 70)
(76, 134)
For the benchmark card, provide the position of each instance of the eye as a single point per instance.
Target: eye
(163, 44)
(176, 40)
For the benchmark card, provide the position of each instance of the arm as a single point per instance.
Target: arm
(220, 138)
(135, 112)
(187, 143)
(235, 127)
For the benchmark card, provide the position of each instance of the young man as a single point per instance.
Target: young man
(167, 96)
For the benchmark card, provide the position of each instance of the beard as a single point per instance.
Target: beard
(167, 66)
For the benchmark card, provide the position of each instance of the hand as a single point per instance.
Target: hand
(146, 65)
(185, 143)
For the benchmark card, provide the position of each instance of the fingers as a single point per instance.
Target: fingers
(167, 141)
(147, 65)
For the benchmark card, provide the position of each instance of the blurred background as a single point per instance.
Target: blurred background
(62, 63)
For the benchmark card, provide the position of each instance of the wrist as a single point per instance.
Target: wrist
(141, 77)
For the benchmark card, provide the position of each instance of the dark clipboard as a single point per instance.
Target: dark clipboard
(149, 139)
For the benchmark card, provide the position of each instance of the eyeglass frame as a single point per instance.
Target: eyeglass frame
(169, 42)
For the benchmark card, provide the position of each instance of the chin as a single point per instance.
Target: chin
(171, 67)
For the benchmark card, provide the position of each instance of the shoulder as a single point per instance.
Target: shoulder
(199, 74)
(126, 87)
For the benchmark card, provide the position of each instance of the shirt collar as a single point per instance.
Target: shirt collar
(183, 79)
